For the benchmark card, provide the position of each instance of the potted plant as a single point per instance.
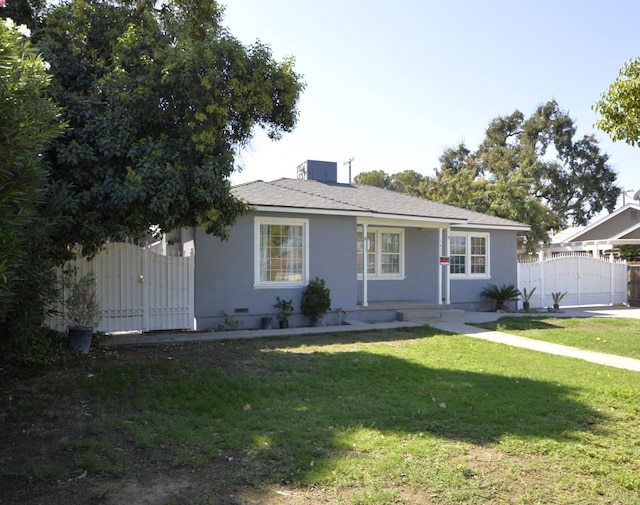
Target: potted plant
(82, 310)
(285, 309)
(500, 294)
(316, 301)
(557, 297)
(526, 297)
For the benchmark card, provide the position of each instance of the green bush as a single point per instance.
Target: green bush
(316, 299)
(44, 346)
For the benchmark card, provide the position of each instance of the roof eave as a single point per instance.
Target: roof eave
(506, 227)
(358, 214)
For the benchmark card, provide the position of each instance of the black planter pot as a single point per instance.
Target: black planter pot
(80, 338)
(284, 323)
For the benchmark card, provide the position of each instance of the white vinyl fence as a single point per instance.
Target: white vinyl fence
(140, 290)
(586, 280)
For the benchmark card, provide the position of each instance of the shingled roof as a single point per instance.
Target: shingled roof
(353, 199)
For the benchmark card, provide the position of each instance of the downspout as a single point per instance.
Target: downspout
(365, 265)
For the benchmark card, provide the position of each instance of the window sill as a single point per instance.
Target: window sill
(279, 285)
(472, 277)
(377, 278)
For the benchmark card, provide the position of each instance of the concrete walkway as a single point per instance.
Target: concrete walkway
(451, 322)
(458, 324)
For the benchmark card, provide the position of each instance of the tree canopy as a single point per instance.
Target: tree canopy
(403, 182)
(158, 100)
(533, 170)
(376, 178)
(619, 107)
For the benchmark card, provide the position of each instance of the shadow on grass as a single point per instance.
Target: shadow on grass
(520, 323)
(395, 395)
(283, 411)
(348, 337)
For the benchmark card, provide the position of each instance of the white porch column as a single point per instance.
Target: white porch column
(447, 269)
(439, 266)
(365, 265)
(542, 290)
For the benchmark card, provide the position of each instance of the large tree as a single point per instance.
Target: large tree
(158, 98)
(532, 170)
(567, 174)
(619, 107)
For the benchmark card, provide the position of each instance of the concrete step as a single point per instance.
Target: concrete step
(426, 315)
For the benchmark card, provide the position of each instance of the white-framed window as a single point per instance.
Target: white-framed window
(281, 252)
(384, 252)
(469, 255)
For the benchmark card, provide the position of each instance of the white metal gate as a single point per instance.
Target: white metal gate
(586, 280)
(141, 290)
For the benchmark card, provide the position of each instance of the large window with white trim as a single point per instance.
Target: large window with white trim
(281, 252)
(384, 253)
(469, 254)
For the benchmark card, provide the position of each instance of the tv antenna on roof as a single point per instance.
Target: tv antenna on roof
(348, 162)
(628, 191)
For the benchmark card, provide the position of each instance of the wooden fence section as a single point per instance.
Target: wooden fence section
(586, 280)
(140, 290)
(633, 284)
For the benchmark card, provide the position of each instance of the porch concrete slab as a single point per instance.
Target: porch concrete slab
(427, 315)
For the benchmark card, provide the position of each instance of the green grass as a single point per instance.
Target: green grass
(414, 417)
(609, 335)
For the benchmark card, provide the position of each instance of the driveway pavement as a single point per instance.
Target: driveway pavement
(452, 322)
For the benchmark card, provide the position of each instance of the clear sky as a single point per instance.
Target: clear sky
(393, 84)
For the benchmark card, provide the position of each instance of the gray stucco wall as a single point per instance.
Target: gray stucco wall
(465, 293)
(224, 272)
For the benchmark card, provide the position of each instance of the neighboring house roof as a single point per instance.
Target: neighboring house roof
(351, 199)
(578, 234)
(567, 234)
(628, 233)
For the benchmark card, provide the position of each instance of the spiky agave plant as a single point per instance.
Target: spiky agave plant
(526, 297)
(500, 294)
(557, 297)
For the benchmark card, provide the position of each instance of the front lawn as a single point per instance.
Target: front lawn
(618, 336)
(406, 416)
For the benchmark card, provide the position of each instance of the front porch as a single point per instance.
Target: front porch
(417, 311)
